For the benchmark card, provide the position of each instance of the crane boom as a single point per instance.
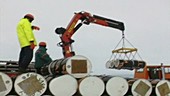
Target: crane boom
(73, 26)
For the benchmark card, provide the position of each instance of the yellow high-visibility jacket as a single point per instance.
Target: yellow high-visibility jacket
(25, 33)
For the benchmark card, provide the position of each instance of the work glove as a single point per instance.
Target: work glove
(32, 46)
(35, 28)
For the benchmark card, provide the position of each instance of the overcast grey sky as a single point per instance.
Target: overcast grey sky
(147, 27)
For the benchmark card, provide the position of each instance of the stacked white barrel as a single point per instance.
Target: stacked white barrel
(65, 85)
(141, 87)
(163, 88)
(91, 86)
(30, 84)
(117, 86)
(6, 84)
(78, 66)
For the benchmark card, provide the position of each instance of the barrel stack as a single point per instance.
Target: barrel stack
(71, 77)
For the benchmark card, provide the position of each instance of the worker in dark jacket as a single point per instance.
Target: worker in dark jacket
(41, 57)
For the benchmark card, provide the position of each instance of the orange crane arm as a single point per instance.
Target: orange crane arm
(84, 18)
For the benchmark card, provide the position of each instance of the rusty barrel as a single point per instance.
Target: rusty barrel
(30, 84)
(78, 66)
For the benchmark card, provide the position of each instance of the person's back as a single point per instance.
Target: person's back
(41, 57)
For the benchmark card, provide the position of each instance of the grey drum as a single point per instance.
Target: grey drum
(125, 64)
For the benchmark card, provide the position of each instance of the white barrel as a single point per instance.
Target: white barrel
(30, 84)
(6, 84)
(141, 87)
(117, 86)
(163, 88)
(64, 85)
(78, 66)
(91, 86)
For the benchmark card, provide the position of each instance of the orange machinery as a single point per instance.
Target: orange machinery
(84, 18)
(153, 72)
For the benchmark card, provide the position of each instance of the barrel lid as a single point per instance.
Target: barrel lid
(64, 85)
(117, 86)
(91, 86)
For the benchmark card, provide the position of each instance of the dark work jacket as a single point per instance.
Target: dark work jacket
(41, 57)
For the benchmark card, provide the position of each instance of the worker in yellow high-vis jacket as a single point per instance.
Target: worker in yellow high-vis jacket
(27, 41)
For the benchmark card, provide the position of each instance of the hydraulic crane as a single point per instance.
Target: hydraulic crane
(74, 25)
